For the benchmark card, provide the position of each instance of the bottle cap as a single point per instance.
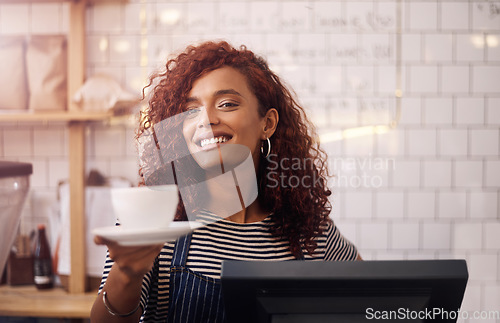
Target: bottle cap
(41, 226)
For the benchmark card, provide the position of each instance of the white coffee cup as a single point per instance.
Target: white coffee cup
(145, 207)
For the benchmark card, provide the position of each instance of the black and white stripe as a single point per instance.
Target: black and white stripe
(226, 240)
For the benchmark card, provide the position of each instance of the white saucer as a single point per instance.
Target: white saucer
(142, 237)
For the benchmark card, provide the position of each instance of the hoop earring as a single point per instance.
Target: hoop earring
(268, 148)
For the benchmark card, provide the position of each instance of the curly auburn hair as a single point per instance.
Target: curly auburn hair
(300, 213)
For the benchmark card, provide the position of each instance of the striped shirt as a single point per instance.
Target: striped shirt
(227, 240)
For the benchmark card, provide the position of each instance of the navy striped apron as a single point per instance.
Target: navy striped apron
(193, 297)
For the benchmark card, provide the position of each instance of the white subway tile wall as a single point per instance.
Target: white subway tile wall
(15, 19)
(437, 173)
(484, 205)
(421, 204)
(436, 236)
(437, 110)
(389, 204)
(427, 188)
(469, 111)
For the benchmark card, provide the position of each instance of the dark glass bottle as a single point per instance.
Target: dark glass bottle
(42, 270)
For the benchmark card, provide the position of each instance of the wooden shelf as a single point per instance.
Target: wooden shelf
(54, 116)
(31, 1)
(77, 122)
(56, 303)
(58, 1)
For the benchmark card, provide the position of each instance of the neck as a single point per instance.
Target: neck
(253, 213)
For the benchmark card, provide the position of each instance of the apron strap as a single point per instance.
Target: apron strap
(181, 251)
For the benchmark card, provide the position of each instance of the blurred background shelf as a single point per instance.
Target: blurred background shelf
(54, 303)
(55, 116)
(77, 124)
(59, 1)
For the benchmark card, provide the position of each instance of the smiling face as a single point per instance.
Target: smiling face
(222, 109)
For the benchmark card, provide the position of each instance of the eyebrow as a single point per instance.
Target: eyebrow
(216, 93)
(228, 91)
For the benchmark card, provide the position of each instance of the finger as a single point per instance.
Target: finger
(139, 252)
(139, 261)
(99, 240)
(127, 254)
(103, 241)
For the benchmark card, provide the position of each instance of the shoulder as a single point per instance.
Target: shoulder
(338, 247)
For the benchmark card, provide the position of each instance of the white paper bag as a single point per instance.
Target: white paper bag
(99, 213)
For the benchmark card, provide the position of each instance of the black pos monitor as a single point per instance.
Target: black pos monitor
(358, 291)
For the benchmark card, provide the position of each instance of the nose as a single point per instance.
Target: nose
(207, 117)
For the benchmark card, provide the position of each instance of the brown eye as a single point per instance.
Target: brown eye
(227, 105)
(191, 112)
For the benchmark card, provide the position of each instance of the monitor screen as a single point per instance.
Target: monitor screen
(359, 291)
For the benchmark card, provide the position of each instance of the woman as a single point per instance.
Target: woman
(232, 97)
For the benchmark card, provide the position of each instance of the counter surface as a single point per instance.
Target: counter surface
(57, 303)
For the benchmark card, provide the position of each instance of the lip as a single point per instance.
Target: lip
(197, 138)
(211, 146)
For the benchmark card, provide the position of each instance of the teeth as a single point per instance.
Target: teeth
(215, 140)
